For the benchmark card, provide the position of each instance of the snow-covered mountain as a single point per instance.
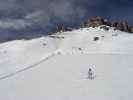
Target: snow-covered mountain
(55, 67)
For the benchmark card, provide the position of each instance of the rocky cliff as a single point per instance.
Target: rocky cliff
(98, 21)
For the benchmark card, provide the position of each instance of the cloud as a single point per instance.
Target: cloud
(42, 15)
(39, 13)
(63, 9)
(43, 12)
(14, 24)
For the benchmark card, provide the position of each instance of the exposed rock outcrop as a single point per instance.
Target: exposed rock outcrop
(62, 28)
(131, 29)
(123, 26)
(93, 22)
(98, 21)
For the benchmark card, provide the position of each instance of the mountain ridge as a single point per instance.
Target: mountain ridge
(98, 21)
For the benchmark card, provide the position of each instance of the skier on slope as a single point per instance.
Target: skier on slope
(90, 74)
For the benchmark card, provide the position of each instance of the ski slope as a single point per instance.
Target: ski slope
(55, 67)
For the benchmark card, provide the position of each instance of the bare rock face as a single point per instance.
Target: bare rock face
(123, 26)
(60, 28)
(114, 24)
(99, 21)
(95, 22)
(106, 22)
(131, 29)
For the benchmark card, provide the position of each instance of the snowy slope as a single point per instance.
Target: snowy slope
(55, 67)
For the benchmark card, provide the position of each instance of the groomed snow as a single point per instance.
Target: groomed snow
(55, 67)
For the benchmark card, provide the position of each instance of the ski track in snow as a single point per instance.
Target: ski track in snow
(31, 66)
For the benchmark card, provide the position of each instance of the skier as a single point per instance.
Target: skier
(90, 74)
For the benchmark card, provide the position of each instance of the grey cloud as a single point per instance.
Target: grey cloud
(64, 9)
(41, 11)
(7, 4)
(14, 24)
(43, 15)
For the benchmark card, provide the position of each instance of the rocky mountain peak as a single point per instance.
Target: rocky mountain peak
(98, 21)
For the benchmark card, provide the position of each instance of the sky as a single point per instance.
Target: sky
(31, 18)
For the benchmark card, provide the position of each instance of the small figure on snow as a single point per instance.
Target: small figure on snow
(90, 74)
